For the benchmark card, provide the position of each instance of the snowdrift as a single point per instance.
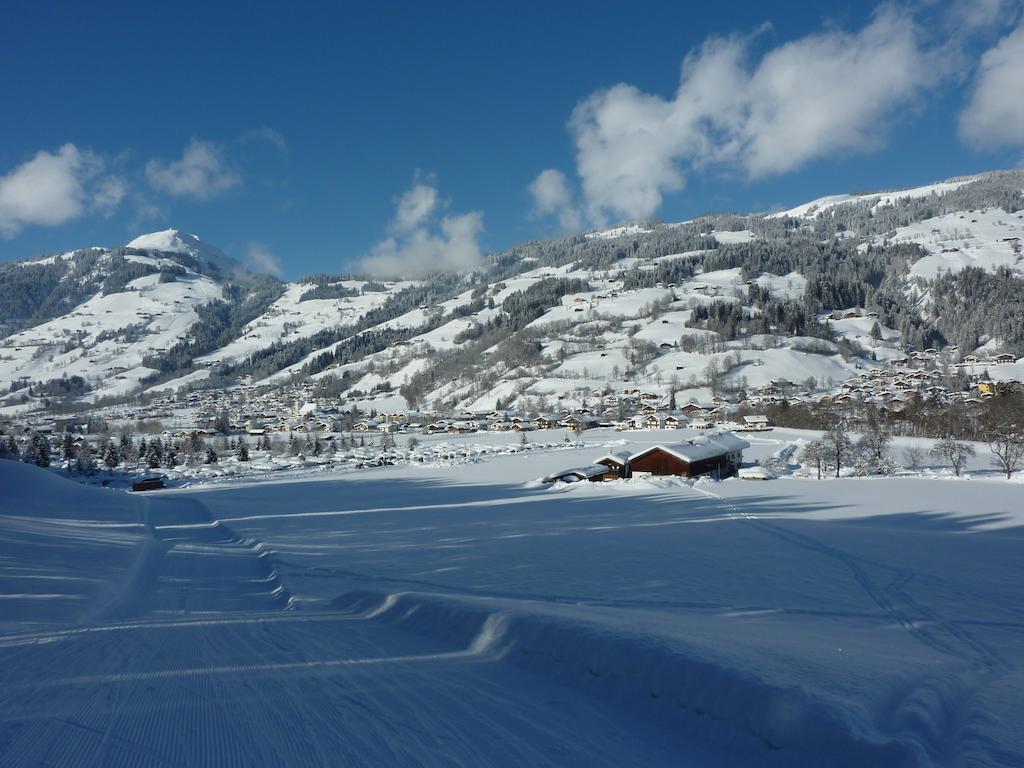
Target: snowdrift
(662, 678)
(70, 551)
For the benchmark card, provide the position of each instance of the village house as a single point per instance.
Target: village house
(579, 423)
(756, 422)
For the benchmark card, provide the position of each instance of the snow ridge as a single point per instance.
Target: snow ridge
(655, 677)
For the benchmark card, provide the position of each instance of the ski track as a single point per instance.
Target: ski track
(208, 664)
(203, 657)
(921, 622)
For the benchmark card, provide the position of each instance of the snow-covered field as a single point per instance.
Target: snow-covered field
(467, 615)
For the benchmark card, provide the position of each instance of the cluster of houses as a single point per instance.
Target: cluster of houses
(690, 416)
(719, 455)
(897, 388)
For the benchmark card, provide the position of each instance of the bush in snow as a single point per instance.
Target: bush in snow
(775, 465)
(913, 458)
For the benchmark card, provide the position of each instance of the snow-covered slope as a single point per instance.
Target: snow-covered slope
(635, 287)
(176, 241)
(822, 204)
(105, 339)
(70, 553)
(988, 239)
(291, 318)
(467, 616)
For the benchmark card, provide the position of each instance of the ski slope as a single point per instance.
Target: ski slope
(466, 615)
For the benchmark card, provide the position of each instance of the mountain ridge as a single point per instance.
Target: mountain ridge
(724, 279)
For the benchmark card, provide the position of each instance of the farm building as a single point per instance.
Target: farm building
(719, 455)
(615, 462)
(594, 474)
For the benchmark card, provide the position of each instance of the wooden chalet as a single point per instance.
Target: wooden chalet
(719, 455)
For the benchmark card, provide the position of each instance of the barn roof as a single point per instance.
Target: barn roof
(700, 448)
(620, 457)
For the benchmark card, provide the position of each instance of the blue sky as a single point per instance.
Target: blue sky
(322, 139)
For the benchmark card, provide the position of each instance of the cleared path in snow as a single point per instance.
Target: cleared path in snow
(202, 663)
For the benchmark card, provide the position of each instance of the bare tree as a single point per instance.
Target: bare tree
(838, 446)
(954, 452)
(875, 441)
(816, 454)
(1007, 445)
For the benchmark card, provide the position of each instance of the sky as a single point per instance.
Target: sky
(401, 138)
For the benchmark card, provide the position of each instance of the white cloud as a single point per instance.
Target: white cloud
(261, 259)
(419, 244)
(551, 196)
(966, 16)
(995, 114)
(414, 207)
(54, 188)
(201, 173)
(108, 195)
(269, 135)
(818, 96)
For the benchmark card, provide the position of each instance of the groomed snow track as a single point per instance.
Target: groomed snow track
(656, 679)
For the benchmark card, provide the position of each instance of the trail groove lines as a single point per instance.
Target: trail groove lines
(206, 666)
(316, 691)
(893, 599)
(497, 502)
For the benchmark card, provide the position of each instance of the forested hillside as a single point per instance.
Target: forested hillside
(933, 267)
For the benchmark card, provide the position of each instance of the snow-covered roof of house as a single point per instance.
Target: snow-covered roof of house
(699, 448)
(619, 457)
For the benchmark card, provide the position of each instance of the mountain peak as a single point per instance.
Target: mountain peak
(176, 241)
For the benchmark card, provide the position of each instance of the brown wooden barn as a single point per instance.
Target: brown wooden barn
(719, 455)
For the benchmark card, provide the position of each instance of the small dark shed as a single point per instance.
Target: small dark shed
(148, 484)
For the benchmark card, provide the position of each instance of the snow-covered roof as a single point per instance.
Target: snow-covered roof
(581, 473)
(619, 457)
(699, 448)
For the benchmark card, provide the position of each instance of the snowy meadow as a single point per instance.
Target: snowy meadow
(466, 614)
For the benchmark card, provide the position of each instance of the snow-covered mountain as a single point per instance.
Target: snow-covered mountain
(174, 241)
(806, 296)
